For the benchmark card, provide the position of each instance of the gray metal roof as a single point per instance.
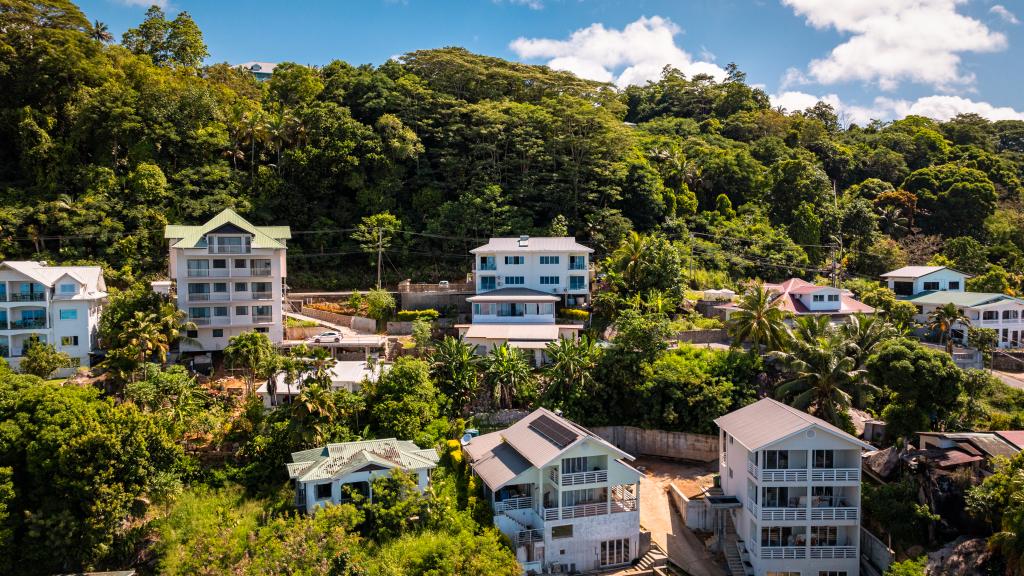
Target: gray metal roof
(918, 271)
(767, 421)
(533, 244)
(338, 460)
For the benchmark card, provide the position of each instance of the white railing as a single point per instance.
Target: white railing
(834, 513)
(835, 475)
(833, 551)
(225, 249)
(529, 536)
(207, 272)
(783, 552)
(584, 477)
(262, 318)
(754, 508)
(261, 271)
(514, 504)
(795, 475)
(625, 505)
(208, 296)
(199, 320)
(753, 469)
(262, 295)
(784, 514)
(581, 511)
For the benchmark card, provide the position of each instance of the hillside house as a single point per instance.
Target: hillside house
(802, 298)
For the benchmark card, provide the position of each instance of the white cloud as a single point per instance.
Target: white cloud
(632, 55)
(531, 4)
(144, 3)
(1006, 15)
(940, 107)
(892, 41)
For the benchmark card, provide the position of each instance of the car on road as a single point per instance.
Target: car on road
(327, 337)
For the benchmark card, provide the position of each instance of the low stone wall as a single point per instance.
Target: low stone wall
(301, 332)
(874, 553)
(399, 328)
(661, 443)
(440, 301)
(703, 336)
(357, 323)
(1008, 361)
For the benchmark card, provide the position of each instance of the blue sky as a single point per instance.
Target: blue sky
(869, 58)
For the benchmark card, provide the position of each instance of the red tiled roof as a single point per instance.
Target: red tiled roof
(1015, 437)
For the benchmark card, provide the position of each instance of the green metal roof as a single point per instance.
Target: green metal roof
(941, 297)
(263, 236)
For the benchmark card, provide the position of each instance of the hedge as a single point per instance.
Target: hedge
(410, 315)
(574, 314)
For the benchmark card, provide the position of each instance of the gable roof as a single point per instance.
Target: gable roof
(768, 421)
(89, 277)
(263, 236)
(339, 460)
(533, 442)
(968, 299)
(786, 299)
(533, 244)
(919, 271)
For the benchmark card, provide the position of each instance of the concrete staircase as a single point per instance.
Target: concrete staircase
(734, 560)
(655, 558)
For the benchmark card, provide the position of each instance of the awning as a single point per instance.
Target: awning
(528, 345)
(510, 332)
(514, 295)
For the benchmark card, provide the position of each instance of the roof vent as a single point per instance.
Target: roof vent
(524, 241)
(558, 412)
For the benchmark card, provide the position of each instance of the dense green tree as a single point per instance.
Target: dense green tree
(455, 368)
(253, 354)
(507, 376)
(569, 373)
(403, 400)
(42, 359)
(759, 320)
(177, 42)
(943, 319)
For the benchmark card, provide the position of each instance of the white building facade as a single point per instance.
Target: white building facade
(567, 499)
(520, 282)
(337, 473)
(230, 278)
(912, 280)
(798, 483)
(58, 305)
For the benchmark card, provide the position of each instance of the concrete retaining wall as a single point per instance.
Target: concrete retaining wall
(440, 301)
(703, 336)
(678, 445)
(302, 332)
(874, 553)
(357, 323)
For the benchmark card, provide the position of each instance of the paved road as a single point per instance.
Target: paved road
(1010, 378)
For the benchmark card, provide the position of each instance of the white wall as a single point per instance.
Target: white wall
(532, 270)
(422, 479)
(825, 305)
(943, 277)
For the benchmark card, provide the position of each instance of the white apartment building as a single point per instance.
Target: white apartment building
(59, 305)
(797, 482)
(931, 287)
(567, 499)
(335, 473)
(229, 277)
(519, 283)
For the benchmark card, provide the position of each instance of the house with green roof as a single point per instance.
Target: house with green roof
(336, 473)
(229, 278)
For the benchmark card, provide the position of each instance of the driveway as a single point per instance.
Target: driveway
(1013, 379)
(666, 525)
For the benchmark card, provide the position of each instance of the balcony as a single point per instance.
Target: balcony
(28, 297)
(262, 318)
(200, 320)
(514, 504)
(577, 266)
(577, 478)
(788, 475)
(835, 475)
(208, 296)
(834, 552)
(261, 271)
(224, 249)
(207, 273)
(489, 267)
(530, 536)
(784, 514)
(581, 511)
(781, 552)
(845, 513)
(262, 295)
(28, 324)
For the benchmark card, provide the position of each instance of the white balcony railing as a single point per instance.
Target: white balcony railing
(837, 552)
(261, 271)
(262, 295)
(835, 475)
(753, 469)
(200, 320)
(208, 296)
(581, 511)
(229, 249)
(625, 505)
(514, 504)
(592, 477)
(207, 272)
(524, 537)
(793, 475)
(783, 514)
(783, 552)
(834, 513)
(262, 318)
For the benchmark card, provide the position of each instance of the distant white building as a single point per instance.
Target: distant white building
(58, 305)
(912, 280)
(261, 70)
(230, 278)
(519, 284)
(567, 499)
(332, 474)
(792, 492)
(801, 298)
(344, 375)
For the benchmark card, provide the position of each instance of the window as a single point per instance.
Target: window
(511, 309)
(240, 262)
(776, 459)
(823, 496)
(779, 536)
(558, 532)
(614, 552)
(824, 535)
(241, 287)
(220, 263)
(953, 285)
(903, 288)
(218, 333)
(69, 314)
(487, 283)
(549, 259)
(510, 260)
(323, 491)
(220, 310)
(485, 309)
(776, 497)
(198, 267)
(833, 297)
(549, 280)
(1010, 314)
(241, 310)
(990, 315)
(818, 298)
(782, 573)
(824, 459)
(68, 289)
(262, 330)
(577, 262)
(577, 282)
(831, 572)
(192, 333)
(69, 340)
(487, 263)
(220, 286)
(931, 285)
(515, 280)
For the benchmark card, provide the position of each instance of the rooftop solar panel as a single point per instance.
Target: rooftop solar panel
(555, 433)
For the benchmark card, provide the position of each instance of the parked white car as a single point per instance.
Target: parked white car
(327, 337)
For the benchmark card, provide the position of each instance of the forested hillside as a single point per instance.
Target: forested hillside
(101, 144)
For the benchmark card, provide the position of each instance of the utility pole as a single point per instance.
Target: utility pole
(380, 253)
(838, 244)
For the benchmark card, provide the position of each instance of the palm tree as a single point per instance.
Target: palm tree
(942, 320)
(892, 221)
(822, 377)
(145, 334)
(312, 413)
(507, 374)
(570, 372)
(657, 302)
(254, 354)
(279, 128)
(811, 328)
(759, 320)
(628, 257)
(100, 32)
(864, 333)
(455, 366)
